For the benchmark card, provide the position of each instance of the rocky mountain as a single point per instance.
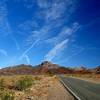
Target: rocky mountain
(49, 65)
(46, 67)
(97, 70)
(82, 70)
(18, 69)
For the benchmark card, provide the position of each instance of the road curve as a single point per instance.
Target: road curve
(83, 90)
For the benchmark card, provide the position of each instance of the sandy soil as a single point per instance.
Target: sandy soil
(48, 88)
(58, 92)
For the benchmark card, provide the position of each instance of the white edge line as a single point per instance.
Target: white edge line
(70, 90)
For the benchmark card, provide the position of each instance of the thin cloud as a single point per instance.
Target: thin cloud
(57, 8)
(4, 24)
(27, 27)
(65, 33)
(35, 38)
(28, 50)
(55, 50)
(41, 34)
(3, 52)
(5, 27)
(56, 11)
(52, 11)
(16, 43)
(60, 40)
(57, 40)
(27, 58)
(43, 3)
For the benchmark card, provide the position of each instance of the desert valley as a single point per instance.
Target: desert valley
(41, 82)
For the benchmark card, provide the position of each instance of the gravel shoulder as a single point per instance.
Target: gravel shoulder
(58, 92)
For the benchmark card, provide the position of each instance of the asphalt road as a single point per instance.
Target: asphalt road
(83, 89)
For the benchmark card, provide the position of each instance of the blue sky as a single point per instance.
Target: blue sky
(66, 32)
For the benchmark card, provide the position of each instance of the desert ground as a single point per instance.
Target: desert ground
(38, 87)
(41, 87)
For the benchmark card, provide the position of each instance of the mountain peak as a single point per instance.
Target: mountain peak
(46, 62)
(48, 65)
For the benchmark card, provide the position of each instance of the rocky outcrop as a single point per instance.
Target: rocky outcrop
(46, 67)
(97, 70)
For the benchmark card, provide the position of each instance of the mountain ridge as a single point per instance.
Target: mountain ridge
(46, 67)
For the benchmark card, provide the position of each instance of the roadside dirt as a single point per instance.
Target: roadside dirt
(58, 92)
(48, 88)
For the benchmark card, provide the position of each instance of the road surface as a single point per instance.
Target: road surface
(84, 90)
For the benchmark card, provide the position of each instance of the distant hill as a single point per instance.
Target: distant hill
(18, 69)
(46, 67)
(97, 70)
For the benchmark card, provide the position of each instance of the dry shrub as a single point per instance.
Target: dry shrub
(24, 83)
(6, 95)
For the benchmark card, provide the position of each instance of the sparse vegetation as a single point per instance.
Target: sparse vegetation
(24, 87)
(1, 84)
(24, 83)
(37, 78)
(6, 95)
(21, 87)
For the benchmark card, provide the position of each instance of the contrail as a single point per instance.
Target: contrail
(16, 43)
(55, 50)
(2, 51)
(25, 52)
(27, 59)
